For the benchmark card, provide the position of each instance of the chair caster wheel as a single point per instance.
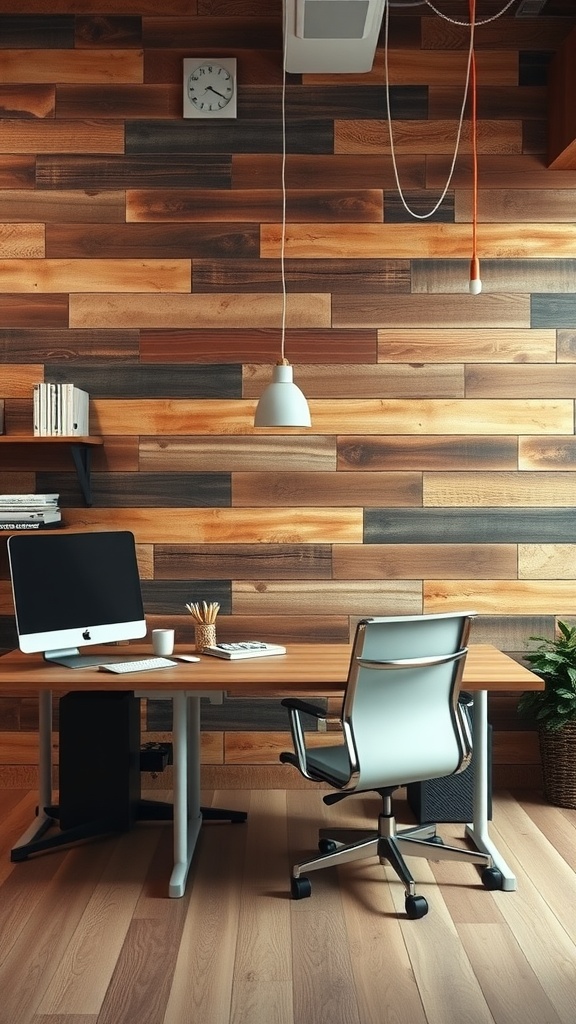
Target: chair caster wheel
(416, 907)
(492, 878)
(437, 840)
(300, 888)
(327, 846)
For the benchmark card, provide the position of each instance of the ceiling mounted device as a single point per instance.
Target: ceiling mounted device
(331, 36)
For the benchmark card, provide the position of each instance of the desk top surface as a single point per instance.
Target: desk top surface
(305, 670)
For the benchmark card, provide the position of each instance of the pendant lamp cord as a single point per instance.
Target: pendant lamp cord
(284, 190)
(474, 264)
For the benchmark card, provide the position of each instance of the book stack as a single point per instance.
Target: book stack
(60, 410)
(29, 512)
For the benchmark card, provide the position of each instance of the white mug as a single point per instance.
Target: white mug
(163, 641)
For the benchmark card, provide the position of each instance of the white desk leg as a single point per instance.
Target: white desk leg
(43, 821)
(478, 830)
(187, 814)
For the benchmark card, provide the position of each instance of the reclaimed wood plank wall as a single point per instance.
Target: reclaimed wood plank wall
(139, 259)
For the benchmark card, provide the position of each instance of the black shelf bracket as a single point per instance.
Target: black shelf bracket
(82, 453)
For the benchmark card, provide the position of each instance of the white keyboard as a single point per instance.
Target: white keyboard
(144, 665)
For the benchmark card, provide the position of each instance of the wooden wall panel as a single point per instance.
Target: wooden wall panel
(141, 260)
(490, 345)
(364, 489)
(398, 241)
(26, 275)
(488, 597)
(433, 452)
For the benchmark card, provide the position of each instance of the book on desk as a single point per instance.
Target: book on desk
(246, 649)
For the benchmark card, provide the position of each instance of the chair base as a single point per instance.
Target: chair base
(390, 845)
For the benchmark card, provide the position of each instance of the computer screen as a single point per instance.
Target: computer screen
(72, 590)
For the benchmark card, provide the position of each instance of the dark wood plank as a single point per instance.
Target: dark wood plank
(302, 275)
(552, 310)
(493, 102)
(17, 171)
(432, 452)
(120, 101)
(108, 31)
(520, 205)
(170, 597)
(422, 203)
(497, 171)
(468, 526)
(42, 345)
(154, 240)
(22, 311)
(144, 490)
(243, 561)
(37, 31)
(345, 171)
(409, 102)
(167, 137)
(216, 32)
(526, 34)
(255, 66)
(257, 345)
(63, 171)
(355, 205)
(157, 381)
(293, 627)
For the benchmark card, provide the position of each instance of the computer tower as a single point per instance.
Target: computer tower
(451, 798)
(99, 759)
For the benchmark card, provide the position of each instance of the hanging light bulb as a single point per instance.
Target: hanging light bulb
(475, 285)
(282, 403)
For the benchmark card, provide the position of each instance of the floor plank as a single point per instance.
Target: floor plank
(88, 935)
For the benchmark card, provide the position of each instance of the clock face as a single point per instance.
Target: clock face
(210, 88)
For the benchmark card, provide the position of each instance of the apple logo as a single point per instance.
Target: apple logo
(86, 635)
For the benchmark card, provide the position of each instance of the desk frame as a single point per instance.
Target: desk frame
(188, 815)
(308, 671)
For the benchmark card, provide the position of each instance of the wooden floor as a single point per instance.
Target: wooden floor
(87, 935)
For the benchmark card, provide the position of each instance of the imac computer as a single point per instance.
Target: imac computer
(72, 590)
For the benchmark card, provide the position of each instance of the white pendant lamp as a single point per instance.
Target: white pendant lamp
(282, 403)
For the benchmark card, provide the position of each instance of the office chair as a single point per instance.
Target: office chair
(401, 722)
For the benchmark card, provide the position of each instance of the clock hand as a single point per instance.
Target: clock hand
(222, 97)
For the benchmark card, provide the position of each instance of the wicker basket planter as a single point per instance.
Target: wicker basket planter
(558, 755)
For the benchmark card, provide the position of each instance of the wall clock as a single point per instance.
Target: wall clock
(209, 87)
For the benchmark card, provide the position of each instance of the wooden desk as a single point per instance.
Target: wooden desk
(307, 670)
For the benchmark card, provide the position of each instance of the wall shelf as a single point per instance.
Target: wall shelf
(80, 449)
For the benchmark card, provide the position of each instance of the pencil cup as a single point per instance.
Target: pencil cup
(205, 635)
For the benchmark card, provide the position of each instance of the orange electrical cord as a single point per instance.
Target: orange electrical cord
(475, 282)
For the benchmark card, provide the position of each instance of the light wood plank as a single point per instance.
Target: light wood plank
(226, 525)
(224, 454)
(351, 597)
(86, 967)
(490, 490)
(500, 597)
(421, 561)
(73, 66)
(269, 489)
(430, 137)
(480, 345)
(547, 561)
(341, 380)
(20, 241)
(58, 136)
(62, 206)
(262, 989)
(203, 974)
(227, 310)
(402, 241)
(97, 275)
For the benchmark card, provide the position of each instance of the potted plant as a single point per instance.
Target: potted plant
(554, 712)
